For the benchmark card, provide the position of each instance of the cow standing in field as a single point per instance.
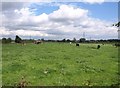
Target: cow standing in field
(77, 44)
(98, 46)
(117, 45)
(37, 42)
(23, 43)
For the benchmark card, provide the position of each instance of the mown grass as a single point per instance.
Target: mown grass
(58, 64)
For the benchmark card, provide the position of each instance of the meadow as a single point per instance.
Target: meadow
(60, 64)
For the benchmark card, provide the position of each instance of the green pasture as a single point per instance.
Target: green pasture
(60, 64)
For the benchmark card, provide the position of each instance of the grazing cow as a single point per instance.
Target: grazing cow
(117, 44)
(37, 42)
(98, 46)
(70, 43)
(23, 43)
(77, 44)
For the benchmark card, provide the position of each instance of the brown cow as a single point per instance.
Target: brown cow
(37, 42)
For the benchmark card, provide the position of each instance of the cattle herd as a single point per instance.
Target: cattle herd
(76, 44)
(98, 46)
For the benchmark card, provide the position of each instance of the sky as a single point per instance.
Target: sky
(59, 20)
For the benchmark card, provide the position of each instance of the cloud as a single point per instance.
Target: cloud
(93, 1)
(68, 13)
(29, 33)
(4, 31)
(66, 22)
(7, 6)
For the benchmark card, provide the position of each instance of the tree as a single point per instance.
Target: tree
(18, 39)
(68, 40)
(4, 40)
(64, 40)
(117, 24)
(9, 40)
(42, 39)
(74, 39)
(82, 40)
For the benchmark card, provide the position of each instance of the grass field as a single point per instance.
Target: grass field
(58, 64)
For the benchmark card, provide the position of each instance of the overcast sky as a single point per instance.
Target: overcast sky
(58, 20)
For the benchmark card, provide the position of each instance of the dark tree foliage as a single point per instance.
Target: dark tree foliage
(9, 40)
(74, 40)
(64, 40)
(82, 40)
(68, 40)
(42, 39)
(18, 39)
(117, 24)
(4, 40)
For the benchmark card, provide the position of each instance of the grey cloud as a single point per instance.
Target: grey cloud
(7, 6)
(55, 32)
(8, 9)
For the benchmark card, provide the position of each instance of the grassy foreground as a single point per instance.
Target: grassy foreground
(58, 64)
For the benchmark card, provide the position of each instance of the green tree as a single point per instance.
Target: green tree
(18, 39)
(82, 40)
(64, 40)
(68, 40)
(74, 40)
(4, 40)
(9, 40)
(42, 39)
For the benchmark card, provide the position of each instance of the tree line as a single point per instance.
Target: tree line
(74, 40)
(17, 40)
(9, 40)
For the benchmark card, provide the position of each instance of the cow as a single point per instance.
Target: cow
(23, 43)
(117, 44)
(37, 42)
(77, 44)
(98, 46)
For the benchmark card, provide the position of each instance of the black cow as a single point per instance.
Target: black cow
(117, 44)
(77, 44)
(98, 46)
